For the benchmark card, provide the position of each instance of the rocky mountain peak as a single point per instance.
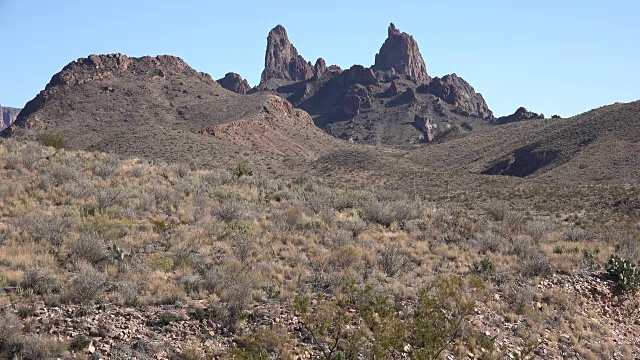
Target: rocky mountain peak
(521, 114)
(96, 67)
(400, 55)
(282, 60)
(234, 82)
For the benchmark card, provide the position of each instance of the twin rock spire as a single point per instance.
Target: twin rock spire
(399, 55)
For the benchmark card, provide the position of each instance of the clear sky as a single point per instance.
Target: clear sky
(552, 56)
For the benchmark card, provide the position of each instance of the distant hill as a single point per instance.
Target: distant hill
(598, 146)
(160, 108)
(7, 116)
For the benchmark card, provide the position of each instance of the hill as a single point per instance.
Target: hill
(160, 108)
(598, 146)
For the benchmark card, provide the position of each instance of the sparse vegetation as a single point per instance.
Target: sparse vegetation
(363, 270)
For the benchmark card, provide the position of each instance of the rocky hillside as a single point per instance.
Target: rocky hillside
(393, 102)
(594, 147)
(7, 116)
(160, 108)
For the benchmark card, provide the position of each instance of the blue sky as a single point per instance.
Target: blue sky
(556, 57)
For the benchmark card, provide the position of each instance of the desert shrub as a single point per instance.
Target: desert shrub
(109, 198)
(219, 177)
(87, 285)
(130, 292)
(80, 188)
(230, 210)
(61, 174)
(38, 347)
(181, 170)
(327, 325)
(89, 247)
(52, 140)
(263, 344)
(37, 279)
(627, 272)
(160, 262)
(393, 259)
(46, 228)
(432, 329)
(356, 226)
(79, 343)
(243, 243)
(536, 264)
(344, 257)
(518, 296)
(106, 167)
(291, 219)
(338, 238)
(484, 268)
(387, 212)
(538, 229)
(514, 222)
(496, 210)
(434, 323)
(489, 241)
(234, 286)
(576, 234)
(243, 168)
(10, 330)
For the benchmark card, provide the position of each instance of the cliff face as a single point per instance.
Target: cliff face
(7, 116)
(282, 60)
(400, 55)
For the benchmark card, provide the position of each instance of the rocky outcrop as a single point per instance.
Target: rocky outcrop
(7, 116)
(282, 60)
(358, 74)
(423, 124)
(320, 67)
(358, 98)
(400, 55)
(456, 91)
(234, 82)
(407, 97)
(520, 115)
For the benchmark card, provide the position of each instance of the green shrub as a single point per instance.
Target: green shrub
(484, 268)
(627, 273)
(79, 342)
(53, 140)
(160, 262)
(243, 168)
